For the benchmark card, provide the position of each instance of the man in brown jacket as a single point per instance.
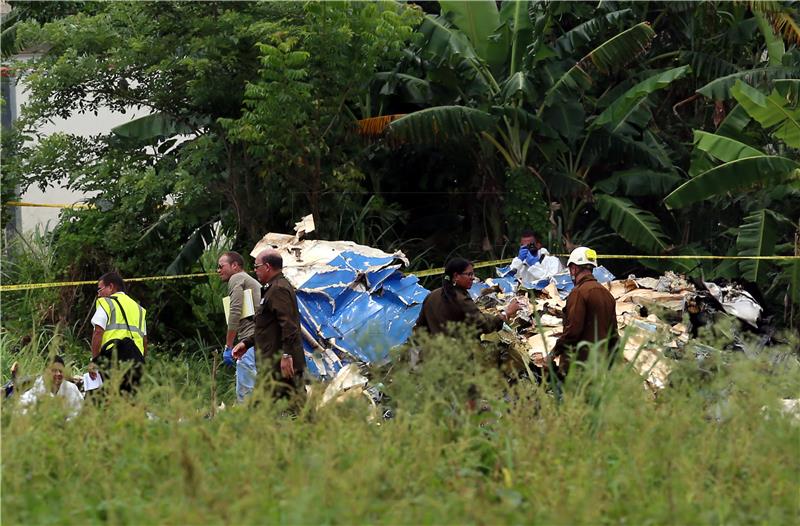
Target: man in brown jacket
(277, 335)
(590, 314)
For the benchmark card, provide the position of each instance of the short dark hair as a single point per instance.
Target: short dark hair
(456, 266)
(528, 233)
(112, 278)
(234, 257)
(58, 359)
(274, 260)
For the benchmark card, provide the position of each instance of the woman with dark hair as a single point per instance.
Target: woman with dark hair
(451, 303)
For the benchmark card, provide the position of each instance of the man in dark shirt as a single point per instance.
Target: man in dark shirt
(590, 314)
(277, 336)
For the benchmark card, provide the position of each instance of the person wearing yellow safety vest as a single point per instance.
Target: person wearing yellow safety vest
(117, 317)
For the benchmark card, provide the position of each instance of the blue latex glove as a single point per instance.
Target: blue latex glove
(227, 356)
(527, 256)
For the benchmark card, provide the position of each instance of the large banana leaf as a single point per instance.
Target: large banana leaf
(757, 237)
(722, 148)
(638, 182)
(519, 28)
(152, 126)
(478, 19)
(734, 175)
(618, 111)
(638, 227)
(773, 112)
(410, 88)
(719, 89)
(707, 66)
(441, 124)
(584, 33)
(612, 54)
(442, 41)
(192, 249)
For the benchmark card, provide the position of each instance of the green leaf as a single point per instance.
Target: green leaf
(441, 124)
(789, 89)
(618, 111)
(410, 88)
(734, 175)
(719, 89)
(478, 19)
(515, 86)
(192, 250)
(723, 148)
(638, 227)
(773, 112)
(443, 41)
(638, 182)
(518, 25)
(584, 33)
(612, 54)
(734, 123)
(152, 126)
(757, 236)
(567, 118)
(775, 47)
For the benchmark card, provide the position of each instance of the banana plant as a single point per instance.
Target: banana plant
(728, 165)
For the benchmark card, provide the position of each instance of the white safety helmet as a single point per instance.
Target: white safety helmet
(583, 256)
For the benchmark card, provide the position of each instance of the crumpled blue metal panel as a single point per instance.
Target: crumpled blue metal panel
(364, 307)
(602, 274)
(508, 284)
(356, 261)
(502, 272)
(476, 288)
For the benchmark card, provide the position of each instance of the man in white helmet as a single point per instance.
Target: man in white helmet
(590, 314)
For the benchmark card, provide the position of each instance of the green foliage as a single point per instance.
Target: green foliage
(442, 123)
(757, 237)
(738, 174)
(615, 115)
(638, 227)
(525, 206)
(519, 457)
(771, 112)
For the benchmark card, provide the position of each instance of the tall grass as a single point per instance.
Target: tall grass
(608, 452)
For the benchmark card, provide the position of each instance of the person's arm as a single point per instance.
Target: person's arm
(97, 339)
(484, 322)
(285, 309)
(575, 316)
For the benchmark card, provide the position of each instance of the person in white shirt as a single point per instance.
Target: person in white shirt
(52, 384)
(534, 262)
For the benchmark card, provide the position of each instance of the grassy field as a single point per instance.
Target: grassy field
(712, 448)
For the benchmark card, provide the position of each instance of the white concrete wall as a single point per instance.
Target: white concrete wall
(84, 125)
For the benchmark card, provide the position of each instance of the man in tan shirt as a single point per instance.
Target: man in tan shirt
(241, 289)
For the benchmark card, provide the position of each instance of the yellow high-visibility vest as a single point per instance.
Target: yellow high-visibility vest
(116, 328)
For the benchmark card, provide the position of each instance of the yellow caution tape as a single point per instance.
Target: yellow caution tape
(419, 274)
(440, 270)
(48, 205)
(33, 286)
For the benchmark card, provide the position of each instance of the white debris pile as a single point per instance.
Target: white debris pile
(652, 315)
